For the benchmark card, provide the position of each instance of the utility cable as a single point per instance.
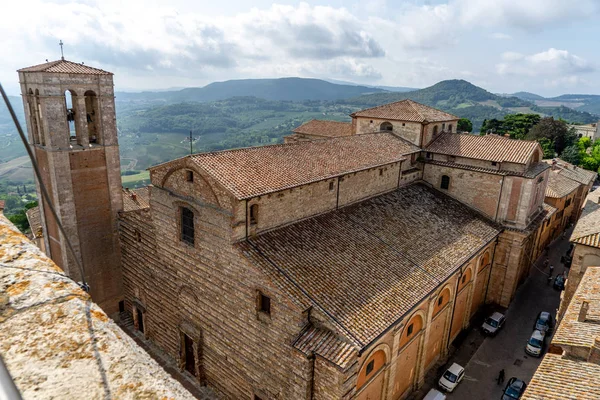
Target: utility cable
(43, 189)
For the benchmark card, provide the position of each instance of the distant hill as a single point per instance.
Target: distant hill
(388, 88)
(7, 125)
(466, 100)
(282, 89)
(527, 96)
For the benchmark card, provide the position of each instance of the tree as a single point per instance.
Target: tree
(464, 125)
(554, 130)
(547, 147)
(571, 155)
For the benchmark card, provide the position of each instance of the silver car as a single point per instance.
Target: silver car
(493, 323)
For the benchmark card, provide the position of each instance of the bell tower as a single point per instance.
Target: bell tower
(71, 124)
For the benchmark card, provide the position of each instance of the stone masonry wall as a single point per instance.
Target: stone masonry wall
(410, 131)
(583, 257)
(210, 291)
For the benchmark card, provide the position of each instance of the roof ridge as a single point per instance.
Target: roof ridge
(412, 104)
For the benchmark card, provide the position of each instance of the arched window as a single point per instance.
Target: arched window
(39, 117)
(386, 126)
(484, 261)
(70, 107)
(450, 128)
(91, 115)
(445, 182)
(441, 301)
(187, 225)
(31, 106)
(435, 130)
(413, 327)
(465, 279)
(253, 214)
(370, 368)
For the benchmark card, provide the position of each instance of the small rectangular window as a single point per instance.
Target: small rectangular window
(445, 182)
(264, 303)
(440, 300)
(381, 172)
(464, 279)
(257, 398)
(370, 367)
(189, 176)
(443, 126)
(494, 163)
(403, 124)
(138, 236)
(330, 186)
(253, 214)
(409, 330)
(428, 155)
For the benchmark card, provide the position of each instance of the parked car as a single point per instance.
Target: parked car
(543, 322)
(434, 395)
(559, 282)
(514, 389)
(535, 344)
(452, 377)
(493, 323)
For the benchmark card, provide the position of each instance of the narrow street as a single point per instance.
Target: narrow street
(507, 349)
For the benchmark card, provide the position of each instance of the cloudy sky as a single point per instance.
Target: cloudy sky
(548, 47)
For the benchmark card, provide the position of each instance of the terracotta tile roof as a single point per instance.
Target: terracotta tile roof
(406, 110)
(326, 344)
(571, 331)
(366, 265)
(136, 199)
(587, 229)
(560, 186)
(35, 221)
(255, 171)
(550, 211)
(325, 128)
(558, 378)
(487, 147)
(65, 67)
(533, 171)
(574, 172)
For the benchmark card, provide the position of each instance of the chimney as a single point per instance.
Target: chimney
(133, 196)
(594, 356)
(585, 306)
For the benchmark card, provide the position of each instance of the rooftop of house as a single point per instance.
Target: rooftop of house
(136, 199)
(550, 210)
(487, 147)
(587, 229)
(326, 344)
(558, 378)
(56, 343)
(572, 331)
(531, 172)
(325, 128)
(559, 185)
(573, 172)
(65, 67)
(390, 252)
(406, 110)
(255, 171)
(565, 376)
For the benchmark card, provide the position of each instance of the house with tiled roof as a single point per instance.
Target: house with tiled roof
(571, 368)
(586, 251)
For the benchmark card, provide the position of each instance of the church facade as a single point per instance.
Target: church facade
(339, 265)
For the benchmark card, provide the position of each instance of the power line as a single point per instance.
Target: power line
(43, 189)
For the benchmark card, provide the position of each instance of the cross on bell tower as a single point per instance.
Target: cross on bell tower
(62, 55)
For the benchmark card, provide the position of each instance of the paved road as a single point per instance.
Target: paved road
(506, 350)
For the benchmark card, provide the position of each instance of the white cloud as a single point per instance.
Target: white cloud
(500, 36)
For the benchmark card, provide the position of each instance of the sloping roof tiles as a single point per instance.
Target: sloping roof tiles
(560, 186)
(65, 67)
(574, 172)
(255, 171)
(326, 344)
(558, 378)
(35, 221)
(587, 229)
(325, 128)
(366, 265)
(137, 199)
(488, 147)
(406, 110)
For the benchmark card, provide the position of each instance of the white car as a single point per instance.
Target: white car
(434, 395)
(493, 323)
(452, 377)
(535, 344)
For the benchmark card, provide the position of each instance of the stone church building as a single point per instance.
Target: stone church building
(339, 265)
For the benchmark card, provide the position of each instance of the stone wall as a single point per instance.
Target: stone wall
(583, 257)
(410, 131)
(208, 291)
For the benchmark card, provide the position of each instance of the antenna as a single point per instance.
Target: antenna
(62, 55)
(191, 144)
